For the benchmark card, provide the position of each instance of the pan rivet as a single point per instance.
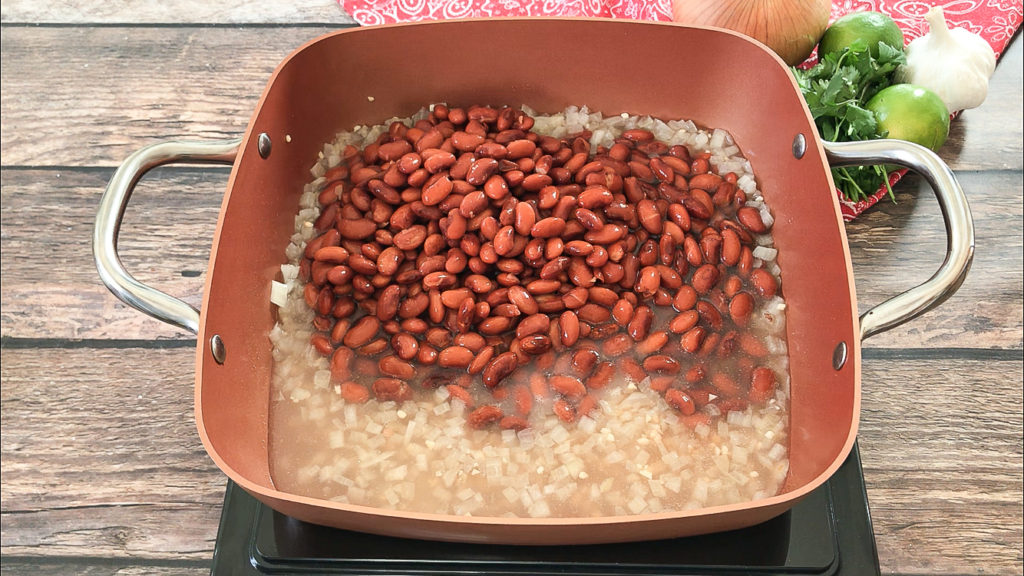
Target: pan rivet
(217, 348)
(839, 356)
(799, 146)
(263, 145)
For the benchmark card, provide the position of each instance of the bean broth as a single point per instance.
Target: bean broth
(483, 320)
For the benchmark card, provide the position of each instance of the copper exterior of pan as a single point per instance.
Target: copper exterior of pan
(364, 76)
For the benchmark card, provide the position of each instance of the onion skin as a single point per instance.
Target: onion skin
(791, 28)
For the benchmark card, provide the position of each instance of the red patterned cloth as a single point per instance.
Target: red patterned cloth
(994, 20)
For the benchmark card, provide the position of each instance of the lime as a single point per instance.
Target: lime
(909, 112)
(871, 27)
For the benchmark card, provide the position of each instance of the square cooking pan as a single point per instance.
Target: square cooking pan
(714, 77)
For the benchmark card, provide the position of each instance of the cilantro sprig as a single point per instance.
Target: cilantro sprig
(836, 89)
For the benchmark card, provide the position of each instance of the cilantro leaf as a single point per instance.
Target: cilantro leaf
(836, 90)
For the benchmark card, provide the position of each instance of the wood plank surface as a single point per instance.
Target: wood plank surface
(896, 246)
(133, 86)
(165, 241)
(139, 85)
(84, 12)
(85, 568)
(975, 136)
(167, 231)
(943, 464)
(100, 453)
(101, 456)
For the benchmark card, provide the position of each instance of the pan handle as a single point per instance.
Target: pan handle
(111, 211)
(955, 212)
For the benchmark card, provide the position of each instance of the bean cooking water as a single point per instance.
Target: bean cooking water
(503, 316)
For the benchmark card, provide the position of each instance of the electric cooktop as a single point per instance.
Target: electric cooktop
(829, 532)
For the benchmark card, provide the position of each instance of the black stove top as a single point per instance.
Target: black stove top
(829, 532)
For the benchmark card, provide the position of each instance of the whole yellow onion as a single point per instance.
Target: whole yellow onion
(791, 28)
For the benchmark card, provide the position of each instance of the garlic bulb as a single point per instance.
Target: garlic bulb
(955, 64)
(791, 28)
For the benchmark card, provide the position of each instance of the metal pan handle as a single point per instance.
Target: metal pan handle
(111, 211)
(955, 212)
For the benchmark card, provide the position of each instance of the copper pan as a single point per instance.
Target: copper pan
(365, 75)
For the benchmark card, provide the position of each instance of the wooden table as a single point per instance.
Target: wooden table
(103, 471)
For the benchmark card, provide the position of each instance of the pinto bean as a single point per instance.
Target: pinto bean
(763, 282)
(362, 331)
(594, 197)
(617, 345)
(746, 264)
(751, 219)
(583, 361)
(410, 238)
(354, 393)
(427, 355)
(593, 313)
(649, 281)
(649, 216)
(661, 363)
(705, 278)
(633, 370)
(475, 342)
(533, 324)
(522, 299)
(740, 308)
(693, 339)
(567, 386)
(356, 229)
(622, 313)
(548, 227)
(483, 416)
(762, 385)
(387, 304)
(480, 170)
(564, 410)
(513, 423)
(500, 367)
(374, 347)
(395, 366)
(711, 247)
(494, 325)
(569, 326)
(731, 247)
(405, 345)
(602, 296)
(653, 343)
(601, 376)
(455, 357)
(478, 283)
(639, 326)
(638, 135)
(543, 287)
(681, 401)
(709, 314)
(437, 189)
(535, 344)
(391, 389)
(684, 321)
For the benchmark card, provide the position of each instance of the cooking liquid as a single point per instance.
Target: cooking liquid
(631, 454)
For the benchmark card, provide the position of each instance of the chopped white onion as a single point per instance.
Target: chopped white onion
(278, 293)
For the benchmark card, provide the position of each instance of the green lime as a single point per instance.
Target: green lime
(871, 27)
(909, 112)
